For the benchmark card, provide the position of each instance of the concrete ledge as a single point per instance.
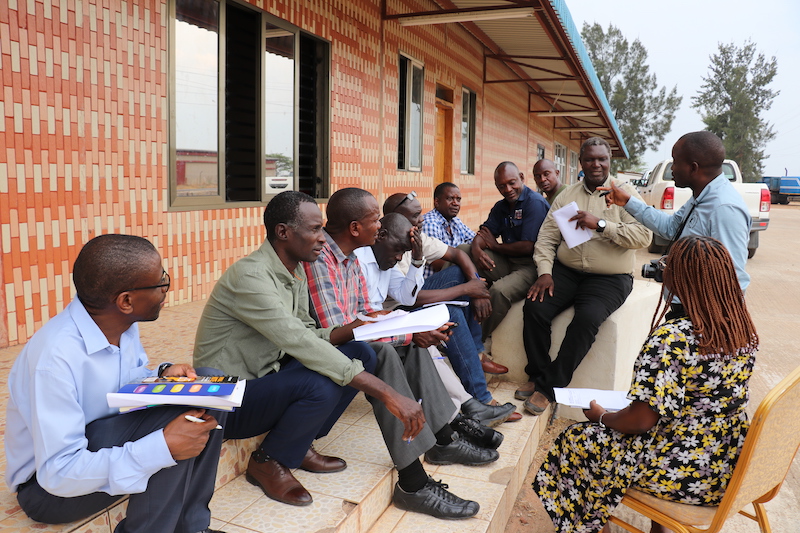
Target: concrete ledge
(609, 363)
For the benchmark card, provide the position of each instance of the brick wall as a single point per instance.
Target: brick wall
(83, 118)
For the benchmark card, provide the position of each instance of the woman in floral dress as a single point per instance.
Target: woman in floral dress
(680, 437)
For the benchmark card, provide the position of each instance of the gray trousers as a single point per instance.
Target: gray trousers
(410, 371)
(510, 280)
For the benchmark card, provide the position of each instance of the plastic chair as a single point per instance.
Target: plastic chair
(767, 455)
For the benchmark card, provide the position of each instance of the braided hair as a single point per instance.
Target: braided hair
(700, 272)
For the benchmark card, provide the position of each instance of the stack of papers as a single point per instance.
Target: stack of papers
(426, 319)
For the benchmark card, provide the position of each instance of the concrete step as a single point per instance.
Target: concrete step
(356, 500)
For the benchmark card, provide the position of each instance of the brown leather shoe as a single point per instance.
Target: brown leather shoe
(525, 392)
(321, 464)
(490, 367)
(537, 403)
(276, 481)
(515, 417)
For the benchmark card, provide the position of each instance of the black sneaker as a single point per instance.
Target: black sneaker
(488, 415)
(434, 499)
(476, 433)
(462, 452)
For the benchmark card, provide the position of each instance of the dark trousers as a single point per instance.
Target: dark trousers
(595, 297)
(296, 405)
(409, 370)
(176, 498)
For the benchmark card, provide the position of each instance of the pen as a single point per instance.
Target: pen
(410, 439)
(191, 418)
(604, 193)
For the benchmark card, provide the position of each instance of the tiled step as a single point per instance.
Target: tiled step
(354, 501)
(357, 500)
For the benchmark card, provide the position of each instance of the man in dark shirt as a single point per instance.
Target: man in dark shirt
(508, 265)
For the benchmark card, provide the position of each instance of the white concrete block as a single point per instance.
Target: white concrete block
(609, 363)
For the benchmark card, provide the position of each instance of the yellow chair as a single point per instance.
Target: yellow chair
(767, 455)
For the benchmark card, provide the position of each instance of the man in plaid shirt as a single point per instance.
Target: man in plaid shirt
(338, 293)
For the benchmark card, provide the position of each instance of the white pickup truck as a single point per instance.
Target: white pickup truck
(658, 189)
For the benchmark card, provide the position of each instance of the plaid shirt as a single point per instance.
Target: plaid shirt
(338, 289)
(451, 233)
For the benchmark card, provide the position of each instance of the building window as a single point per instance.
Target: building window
(411, 86)
(539, 152)
(561, 159)
(254, 89)
(573, 167)
(468, 108)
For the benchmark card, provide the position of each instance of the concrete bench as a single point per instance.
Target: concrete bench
(609, 363)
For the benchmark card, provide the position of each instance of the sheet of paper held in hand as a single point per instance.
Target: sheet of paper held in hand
(572, 236)
(423, 320)
(611, 400)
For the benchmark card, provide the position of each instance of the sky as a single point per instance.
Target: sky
(681, 36)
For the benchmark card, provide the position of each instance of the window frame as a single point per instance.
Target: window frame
(560, 159)
(404, 113)
(322, 148)
(574, 164)
(469, 97)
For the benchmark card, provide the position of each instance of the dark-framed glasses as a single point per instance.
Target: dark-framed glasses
(409, 196)
(165, 282)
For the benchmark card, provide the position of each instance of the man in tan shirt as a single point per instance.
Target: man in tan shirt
(595, 277)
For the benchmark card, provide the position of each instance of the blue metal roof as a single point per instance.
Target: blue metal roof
(574, 36)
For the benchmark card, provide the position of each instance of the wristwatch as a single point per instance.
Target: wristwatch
(601, 226)
(162, 368)
(419, 263)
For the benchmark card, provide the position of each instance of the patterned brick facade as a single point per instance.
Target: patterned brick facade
(84, 120)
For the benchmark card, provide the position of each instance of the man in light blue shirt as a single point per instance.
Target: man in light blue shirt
(716, 209)
(68, 455)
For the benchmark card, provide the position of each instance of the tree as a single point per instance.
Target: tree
(644, 112)
(283, 163)
(731, 100)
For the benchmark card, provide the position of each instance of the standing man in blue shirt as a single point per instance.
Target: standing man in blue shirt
(716, 209)
(68, 455)
(508, 265)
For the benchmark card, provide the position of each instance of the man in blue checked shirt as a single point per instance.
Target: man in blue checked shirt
(443, 223)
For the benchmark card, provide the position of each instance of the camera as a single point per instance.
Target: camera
(655, 269)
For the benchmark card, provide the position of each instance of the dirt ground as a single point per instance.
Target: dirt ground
(772, 300)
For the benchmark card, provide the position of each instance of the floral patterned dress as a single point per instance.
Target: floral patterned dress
(687, 457)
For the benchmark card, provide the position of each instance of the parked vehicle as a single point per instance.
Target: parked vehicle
(783, 188)
(658, 190)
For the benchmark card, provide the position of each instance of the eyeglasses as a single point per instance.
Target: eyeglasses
(409, 196)
(165, 282)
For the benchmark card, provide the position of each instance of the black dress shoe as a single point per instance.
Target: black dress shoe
(276, 480)
(209, 530)
(434, 499)
(476, 433)
(461, 452)
(321, 464)
(488, 415)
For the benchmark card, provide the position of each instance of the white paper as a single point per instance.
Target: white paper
(457, 303)
(381, 318)
(611, 400)
(572, 236)
(129, 400)
(423, 320)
